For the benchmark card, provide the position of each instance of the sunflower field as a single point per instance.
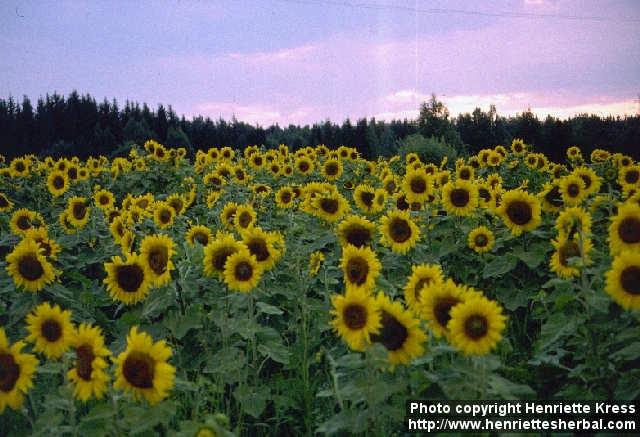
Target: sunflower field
(281, 292)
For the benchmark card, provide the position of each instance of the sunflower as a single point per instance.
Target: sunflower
(199, 234)
(390, 184)
(57, 183)
(623, 280)
(629, 175)
(421, 276)
(360, 267)
(398, 231)
(128, 280)
(566, 248)
(356, 231)
(261, 244)
(550, 197)
(176, 201)
(217, 252)
(256, 161)
(364, 198)
(212, 197)
(476, 325)
(245, 217)
(520, 211)
(104, 199)
(315, 262)
(572, 189)
(16, 373)
(5, 203)
(142, 368)
(356, 317)
(50, 329)
(436, 301)
(28, 266)
(332, 169)
(518, 147)
(465, 172)
(417, 185)
(77, 211)
(481, 239)
(156, 252)
(400, 331)
(572, 220)
(285, 197)
(574, 153)
(163, 214)
(24, 219)
(242, 271)
(460, 197)
(304, 165)
(89, 374)
(228, 213)
(49, 248)
(591, 180)
(624, 230)
(330, 206)
(19, 167)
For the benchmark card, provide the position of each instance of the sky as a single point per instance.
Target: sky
(305, 61)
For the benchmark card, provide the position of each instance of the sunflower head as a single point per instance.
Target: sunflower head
(128, 280)
(360, 267)
(16, 373)
(356, 231)
(460, 197)
(481, 239)
(422, 275)
(398, 231)
(28, 266)
(50, 329)
(156, 252)
(217, 252)
(356, 317)
(520, 211)
(242, 271)
(476, 325)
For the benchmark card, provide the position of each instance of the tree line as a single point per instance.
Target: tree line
(79, 125)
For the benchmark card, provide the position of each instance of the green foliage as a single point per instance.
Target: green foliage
(428, 149)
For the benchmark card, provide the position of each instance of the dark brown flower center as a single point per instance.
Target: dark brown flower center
(158, 259)
(553, 197)
(481, 240)
(243, 271)
(630, 280)
(20, 167)
(130, 277)
(79, 211)
(138, 369)
(201, 238)
(303, 166)
(165, 216)
(442, 309)
(104, 200)
(418, 185)
(258, 247)
(465, 174)
(244, 219)
(58, 182)
(220, 257)
(519, 212)
(355, 316)
(72, 172)
(357, 235)
(399, 230)
(51, 330)
(484, 194)
(4, 202)
(357, 270)
(393, 334)
(285, 197)
(84, 361)
(631, 176)
(9, 372)
(23, 222)
(629, 230)
(459, 197)
(402, 204)
(330, 206)
(257, 161)
(331, 168)
(30, 267)
(476, 326)
(568, 250)
(176, 204)
(587, 180)
(573, 190)
(367, 198)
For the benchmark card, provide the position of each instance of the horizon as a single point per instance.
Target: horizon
(304, 62)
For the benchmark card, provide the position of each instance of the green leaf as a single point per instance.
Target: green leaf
(253, 400)
(276, 351)
(505, 389)
(628, 353)
(499, 266)
(269, 309)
